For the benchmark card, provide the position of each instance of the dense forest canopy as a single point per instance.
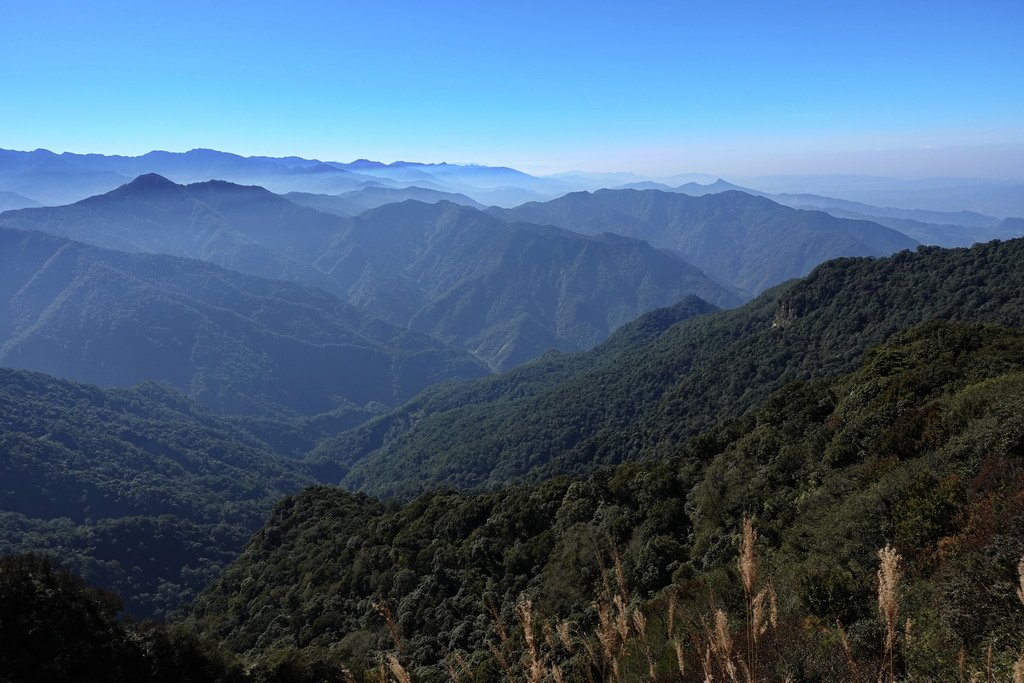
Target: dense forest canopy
(140, 490)
(920, 447)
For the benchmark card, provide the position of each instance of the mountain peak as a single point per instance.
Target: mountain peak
(150, 181)
(366, 163)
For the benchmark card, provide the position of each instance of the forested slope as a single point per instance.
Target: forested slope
(236, 343)
(140, 490)
(645, 402)
(921, 447)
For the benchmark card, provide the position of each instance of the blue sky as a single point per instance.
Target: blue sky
(906, 88)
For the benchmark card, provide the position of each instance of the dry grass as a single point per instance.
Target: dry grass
(889, 574)
(677, 646)
(762, 608)
(614, 618)
(670, 619)
(452, 672)
(722, 645)
(463, 666)
(492, 609)
(534, 661)
(564, 631)
(705, 663)
(851, 661)
(1018, 666)
(640, 624)
(748, 562)
(631, 642)
(501, 659)
(620, 574)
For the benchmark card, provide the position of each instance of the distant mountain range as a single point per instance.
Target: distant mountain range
(747, 242)
(358, 201)
(939, 228)
(945, 229)
(48, 178)
(247, 229)
(433, 266)
(995, 197)
(506, 292)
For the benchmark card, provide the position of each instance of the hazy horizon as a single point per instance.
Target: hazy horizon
(1012, 154)
(908, 91)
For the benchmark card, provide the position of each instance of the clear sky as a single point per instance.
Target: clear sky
(898, 87)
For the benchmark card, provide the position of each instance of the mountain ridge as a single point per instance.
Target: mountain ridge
(505, 292)
(745, 241)
(464, 275)
(237, 342)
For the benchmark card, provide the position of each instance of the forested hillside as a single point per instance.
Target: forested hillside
(236, 343)
(655, 383)
(139, 490)
(144, 491)
(58, 627)
(921, 447)
(670, 386)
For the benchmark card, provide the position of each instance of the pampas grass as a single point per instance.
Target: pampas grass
(534, 662)
(680, 656)
(889, 574)
(747, 564)
(629, 642)
(723, 645)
